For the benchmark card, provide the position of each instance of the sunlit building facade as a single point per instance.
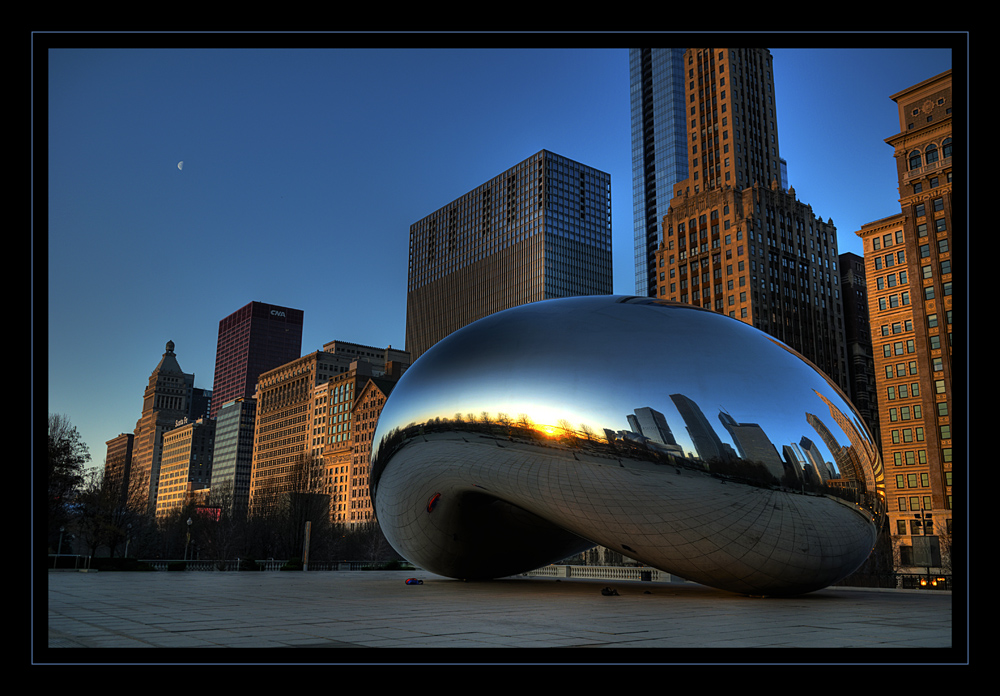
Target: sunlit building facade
(540, 230)
(166, 400)
(303, 426)
(118, 463)
(185, 465)
(365, 412)
(908, 263)
(734, 240)
(343, 417)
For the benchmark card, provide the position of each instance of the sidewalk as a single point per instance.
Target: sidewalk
(376, 609)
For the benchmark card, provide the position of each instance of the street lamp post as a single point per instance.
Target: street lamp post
(188, 539)
(58, 548)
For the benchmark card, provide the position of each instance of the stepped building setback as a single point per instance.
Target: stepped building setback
(734, 240)
(166, 400)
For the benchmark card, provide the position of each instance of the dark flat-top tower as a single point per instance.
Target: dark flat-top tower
(252, 340)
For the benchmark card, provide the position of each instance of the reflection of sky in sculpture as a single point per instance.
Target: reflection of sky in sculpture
(590, 371)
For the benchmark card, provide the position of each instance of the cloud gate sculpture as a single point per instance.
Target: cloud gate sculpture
(682, 438)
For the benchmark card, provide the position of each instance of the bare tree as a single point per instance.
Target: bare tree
(102, 518)
(224, 537)
(67, 455)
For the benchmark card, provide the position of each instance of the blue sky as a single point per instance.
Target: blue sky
(303, 170)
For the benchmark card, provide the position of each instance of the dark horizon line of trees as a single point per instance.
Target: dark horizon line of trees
(90, 514)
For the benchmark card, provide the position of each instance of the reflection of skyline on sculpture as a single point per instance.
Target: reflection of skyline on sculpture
(806, 444)
(755, 420)
(671, 434)
(802, 459)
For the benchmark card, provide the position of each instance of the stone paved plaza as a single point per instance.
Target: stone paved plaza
(256, 613)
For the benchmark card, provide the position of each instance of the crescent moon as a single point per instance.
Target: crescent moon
(180, 165)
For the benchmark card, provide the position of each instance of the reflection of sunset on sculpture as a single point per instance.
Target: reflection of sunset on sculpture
(677, 436)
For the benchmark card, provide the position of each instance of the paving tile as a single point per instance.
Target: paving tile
(109, 612)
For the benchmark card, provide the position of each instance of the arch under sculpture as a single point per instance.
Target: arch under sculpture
(682, 438)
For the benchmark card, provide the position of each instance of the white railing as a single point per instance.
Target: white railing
(622, 573)
(269, 564)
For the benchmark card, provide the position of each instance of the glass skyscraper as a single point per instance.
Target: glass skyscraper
(659, 153)
(538, 231)
(233, 454)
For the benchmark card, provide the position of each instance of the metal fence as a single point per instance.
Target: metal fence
(903, 581)
(270, 564)
(78, 562)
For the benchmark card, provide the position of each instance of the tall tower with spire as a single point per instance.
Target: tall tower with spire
(165, 401)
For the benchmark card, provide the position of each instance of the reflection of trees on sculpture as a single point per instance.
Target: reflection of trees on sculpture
(612, 445)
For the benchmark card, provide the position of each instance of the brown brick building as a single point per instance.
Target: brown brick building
(118, 464)
(908, 263)
(303, 436)
(734, 240)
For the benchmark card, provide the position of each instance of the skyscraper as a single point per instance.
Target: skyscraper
(252, 340)
(908, 265)
(303, 423)
(186, 463)
(118, 464)
(233, 454)
(857, 332)
(734, 240)
(659, 149)
(166, 400)
(540, 230)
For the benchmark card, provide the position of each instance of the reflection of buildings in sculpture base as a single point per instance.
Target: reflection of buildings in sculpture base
(753, 444)
(858, 334)
(908, 265)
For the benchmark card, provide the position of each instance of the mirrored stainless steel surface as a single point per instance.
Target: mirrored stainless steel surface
(682, 438)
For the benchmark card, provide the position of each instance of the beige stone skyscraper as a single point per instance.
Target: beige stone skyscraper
(165, 401)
